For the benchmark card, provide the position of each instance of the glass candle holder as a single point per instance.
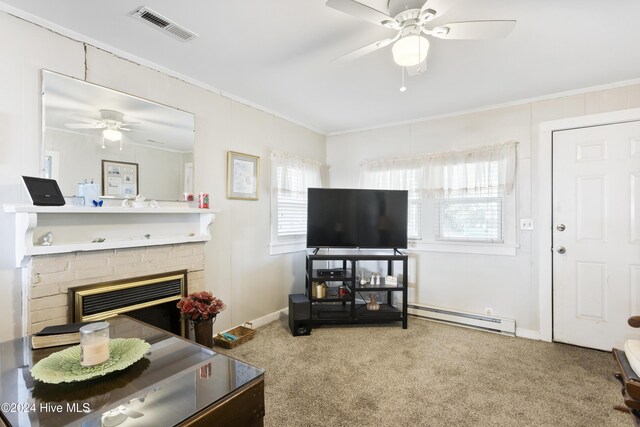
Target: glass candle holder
(94, 344)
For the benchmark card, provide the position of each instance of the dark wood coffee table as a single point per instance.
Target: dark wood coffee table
(177, 383)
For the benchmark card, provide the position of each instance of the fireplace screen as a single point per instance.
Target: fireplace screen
(151, 299)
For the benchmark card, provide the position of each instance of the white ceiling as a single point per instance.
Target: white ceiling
(277, 53)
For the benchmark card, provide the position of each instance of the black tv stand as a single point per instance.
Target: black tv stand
(336, 308)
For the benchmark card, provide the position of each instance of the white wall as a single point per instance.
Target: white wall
(467, 282)
(238, 266)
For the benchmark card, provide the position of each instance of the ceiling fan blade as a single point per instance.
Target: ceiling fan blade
(85, 125)
(416, 70)
(365, 50)
(473, 30)
(362, 11)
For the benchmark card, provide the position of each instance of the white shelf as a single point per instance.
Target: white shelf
(103, 210)
(112, 244)
(75, 227)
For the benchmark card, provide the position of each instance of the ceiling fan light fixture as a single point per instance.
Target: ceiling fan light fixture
(410, 50)
(112, 135)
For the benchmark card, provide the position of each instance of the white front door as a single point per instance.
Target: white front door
(596, 234)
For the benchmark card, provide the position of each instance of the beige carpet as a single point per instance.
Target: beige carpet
(429, 375)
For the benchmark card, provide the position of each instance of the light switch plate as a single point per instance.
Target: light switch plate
(526, 224)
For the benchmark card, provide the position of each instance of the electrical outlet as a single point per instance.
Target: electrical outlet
(488, 311)
(526, 224)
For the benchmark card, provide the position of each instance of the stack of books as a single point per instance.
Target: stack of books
(53, 336)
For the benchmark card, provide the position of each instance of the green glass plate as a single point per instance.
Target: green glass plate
(64, 366)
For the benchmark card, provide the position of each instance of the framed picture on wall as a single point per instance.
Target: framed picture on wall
(119, 179)
(243, 171)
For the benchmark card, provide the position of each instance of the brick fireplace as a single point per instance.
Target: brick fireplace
(49, 277)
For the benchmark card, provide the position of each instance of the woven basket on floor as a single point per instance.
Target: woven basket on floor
(243, 333)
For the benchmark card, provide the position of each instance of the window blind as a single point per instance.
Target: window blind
(468, 213)
(291, 209)
(470, 217)
(292, 176)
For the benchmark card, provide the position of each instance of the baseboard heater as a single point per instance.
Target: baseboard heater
(476, 321)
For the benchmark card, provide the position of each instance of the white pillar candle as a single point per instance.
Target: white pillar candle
(95, 353)
(94, 344)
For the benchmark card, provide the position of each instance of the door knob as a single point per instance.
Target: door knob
(561, 250)
(560, 227)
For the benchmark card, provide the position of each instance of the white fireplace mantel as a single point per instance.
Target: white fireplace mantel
(77, 229)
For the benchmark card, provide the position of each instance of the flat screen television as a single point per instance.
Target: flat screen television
(350, 218)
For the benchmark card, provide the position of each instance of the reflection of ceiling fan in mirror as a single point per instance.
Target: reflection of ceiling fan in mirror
(111, 122)
(411, 19)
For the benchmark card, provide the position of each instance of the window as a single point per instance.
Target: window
(472, 214)
(459, 201)
(473, 218)
(397, 175)
(414, 231)
(292, 205)
(290, 179)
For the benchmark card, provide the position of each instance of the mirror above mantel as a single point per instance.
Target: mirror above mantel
(124, 144)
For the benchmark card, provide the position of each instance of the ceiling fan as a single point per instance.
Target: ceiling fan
(112, 122)
(411, 19)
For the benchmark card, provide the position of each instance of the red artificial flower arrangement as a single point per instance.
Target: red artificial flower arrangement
(200, 306)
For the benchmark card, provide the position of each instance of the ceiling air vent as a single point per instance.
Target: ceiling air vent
(163, 23)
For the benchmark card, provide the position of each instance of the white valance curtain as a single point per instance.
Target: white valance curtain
(474, 170)
(295, 174)
(393, 174)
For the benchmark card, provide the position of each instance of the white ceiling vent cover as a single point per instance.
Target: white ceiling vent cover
(162, 23)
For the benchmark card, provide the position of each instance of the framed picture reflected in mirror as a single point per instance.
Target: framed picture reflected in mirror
(119, 179)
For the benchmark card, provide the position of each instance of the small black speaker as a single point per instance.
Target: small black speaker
(299, 315)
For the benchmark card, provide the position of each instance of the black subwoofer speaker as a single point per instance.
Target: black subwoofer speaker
(299, 315)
